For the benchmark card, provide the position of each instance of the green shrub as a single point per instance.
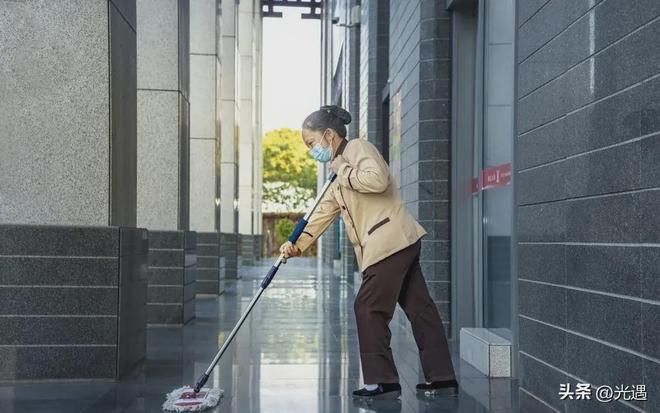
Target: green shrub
(283, 229)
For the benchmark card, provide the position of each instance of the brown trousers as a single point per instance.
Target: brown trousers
(398, 278)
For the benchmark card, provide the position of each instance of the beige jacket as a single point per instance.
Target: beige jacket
(366, 195)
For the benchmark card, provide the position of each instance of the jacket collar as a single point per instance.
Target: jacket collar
(341, 147)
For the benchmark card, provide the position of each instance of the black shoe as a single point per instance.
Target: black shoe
(438, 388)
(384, 391)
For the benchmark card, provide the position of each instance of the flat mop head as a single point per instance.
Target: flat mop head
(185, 399)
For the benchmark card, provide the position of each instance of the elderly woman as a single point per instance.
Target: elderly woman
(386, 239)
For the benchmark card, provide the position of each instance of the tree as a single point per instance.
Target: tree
(289, 173)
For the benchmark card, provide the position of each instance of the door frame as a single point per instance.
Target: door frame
(462, 146)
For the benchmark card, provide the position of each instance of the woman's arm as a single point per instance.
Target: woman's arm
(366, 171)
(319, 221)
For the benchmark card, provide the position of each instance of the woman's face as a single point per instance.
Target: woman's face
(312, 137)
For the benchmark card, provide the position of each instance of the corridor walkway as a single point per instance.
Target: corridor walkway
(297, 352)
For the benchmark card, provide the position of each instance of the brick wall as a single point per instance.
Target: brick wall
(374, 57)
(587, 176)
(419, 70)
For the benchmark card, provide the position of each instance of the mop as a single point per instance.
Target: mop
(185, 399)
(197, 398)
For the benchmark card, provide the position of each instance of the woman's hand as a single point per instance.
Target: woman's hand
(337, 163)
(289, 250)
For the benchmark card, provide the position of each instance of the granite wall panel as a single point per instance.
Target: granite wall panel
(247, 249)
(75, 59)
(208, 263)
(163, 175)
(172, 277)
(229, 250)
(83, 318)
(587, 127)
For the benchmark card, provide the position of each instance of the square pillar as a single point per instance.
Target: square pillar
(172, 277)
(209, 277)
(229, 250)
(163, 114)
(229, 114)
(205, 108)
(68, 87)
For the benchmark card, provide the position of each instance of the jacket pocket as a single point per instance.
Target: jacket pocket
(378, 225)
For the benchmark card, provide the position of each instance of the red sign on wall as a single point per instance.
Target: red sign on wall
(496, 176)
(493, 177)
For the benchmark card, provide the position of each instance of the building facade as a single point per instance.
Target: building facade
(525, 138)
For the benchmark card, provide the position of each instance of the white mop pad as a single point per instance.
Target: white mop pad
(185, 399)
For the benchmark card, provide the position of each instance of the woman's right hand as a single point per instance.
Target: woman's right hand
(289, 250)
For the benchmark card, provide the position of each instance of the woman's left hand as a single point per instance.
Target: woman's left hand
(337, 163)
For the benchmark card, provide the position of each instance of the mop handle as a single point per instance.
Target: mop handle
(264, 284)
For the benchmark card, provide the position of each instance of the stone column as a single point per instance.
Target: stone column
(257, 185)
(427, 176)
(229, 112)
(209, 273)
(229, 138)
(205, 70)
(164, 157)
(205, 143)
(229, 251)
(351, 101)
(246, 130)
(72, 268)
(163, 114)
(67, 113)
(173, 270)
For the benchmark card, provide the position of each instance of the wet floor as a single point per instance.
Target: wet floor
(297, 352)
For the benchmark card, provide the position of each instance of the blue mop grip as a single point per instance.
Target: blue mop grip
(201, 382)
(269, 277)
(300, 228)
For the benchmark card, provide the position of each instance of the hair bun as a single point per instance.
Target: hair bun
(340, 113)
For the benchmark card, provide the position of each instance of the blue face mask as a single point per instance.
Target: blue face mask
(320, 153)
